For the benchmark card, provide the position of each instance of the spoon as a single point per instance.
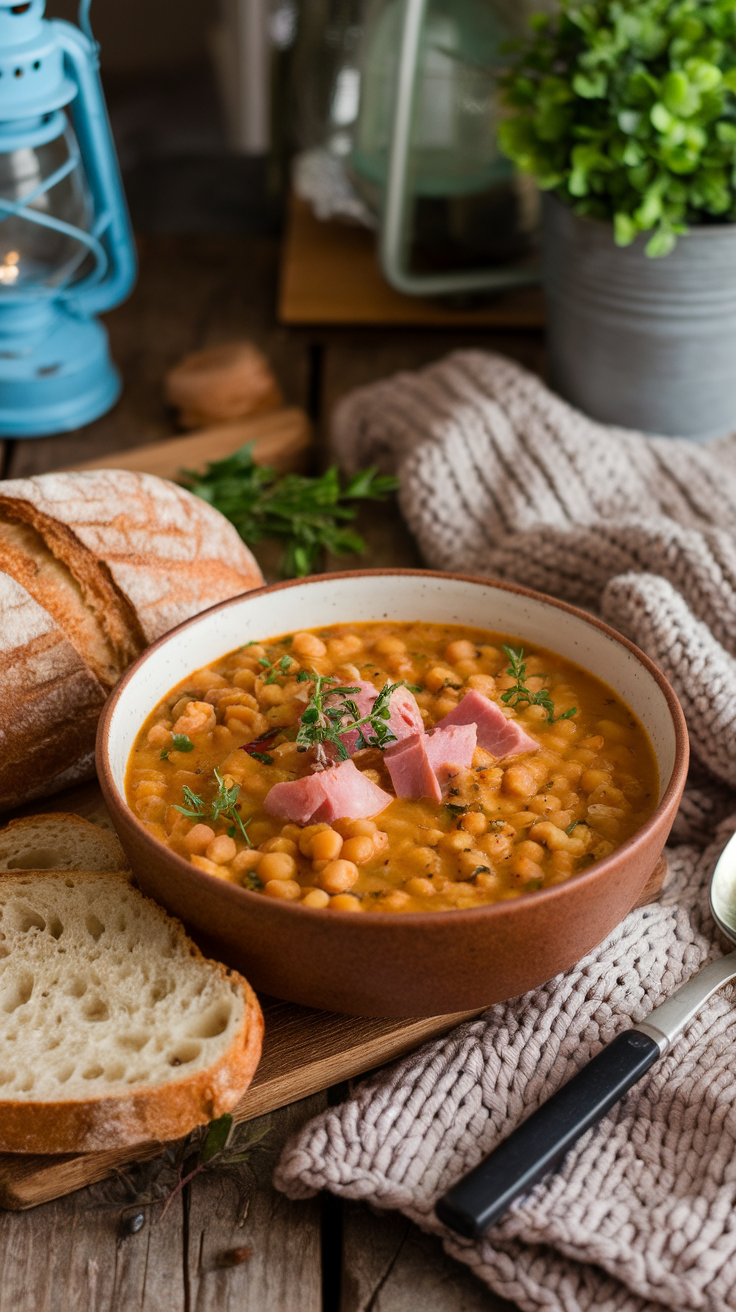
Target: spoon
(538, 1145)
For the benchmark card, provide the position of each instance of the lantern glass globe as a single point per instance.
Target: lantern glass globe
(31, 253)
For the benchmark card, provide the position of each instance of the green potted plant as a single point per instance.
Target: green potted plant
(625, 113)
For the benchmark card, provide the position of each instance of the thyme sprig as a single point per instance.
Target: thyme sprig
(519, 694)
(223, 805)
(331, 712)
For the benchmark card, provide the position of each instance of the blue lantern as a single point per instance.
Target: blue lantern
(66, 246)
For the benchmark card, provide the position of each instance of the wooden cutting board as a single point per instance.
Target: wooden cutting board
(281, 438)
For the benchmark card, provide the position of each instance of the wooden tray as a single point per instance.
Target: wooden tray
(329, 275)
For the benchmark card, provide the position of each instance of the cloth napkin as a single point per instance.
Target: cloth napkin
(500, 477)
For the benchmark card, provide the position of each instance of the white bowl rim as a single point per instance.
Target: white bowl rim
(500, 909)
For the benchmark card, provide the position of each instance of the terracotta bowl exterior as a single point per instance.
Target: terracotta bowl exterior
(417, 964)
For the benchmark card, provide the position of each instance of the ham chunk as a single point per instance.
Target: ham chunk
(450, 750)
(409, 766)
(335, 794)
(405, 716)
(496, 734)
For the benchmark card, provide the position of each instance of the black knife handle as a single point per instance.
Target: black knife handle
(539, 1143)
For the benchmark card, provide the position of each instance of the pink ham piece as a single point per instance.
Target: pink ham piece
(405, 716)
(496, 734)
(450, 750)
(409, 766)
(338, 793)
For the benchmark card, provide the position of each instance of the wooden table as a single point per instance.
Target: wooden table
(316, 1256)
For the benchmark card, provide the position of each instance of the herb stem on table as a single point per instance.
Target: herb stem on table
(308, 514)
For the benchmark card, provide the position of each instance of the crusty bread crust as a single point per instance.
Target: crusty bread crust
(31, 834)
(49, 703)
(141, 555)
(168, 553)
(143, 1113)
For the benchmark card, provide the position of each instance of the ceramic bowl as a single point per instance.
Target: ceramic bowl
(382, 964)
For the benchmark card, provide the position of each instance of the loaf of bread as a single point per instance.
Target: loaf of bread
(60, 841)
(94, 565)
(116, 1030)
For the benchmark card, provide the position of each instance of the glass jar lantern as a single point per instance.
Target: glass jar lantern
(66, 247)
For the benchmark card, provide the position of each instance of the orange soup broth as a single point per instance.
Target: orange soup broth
(505, 827)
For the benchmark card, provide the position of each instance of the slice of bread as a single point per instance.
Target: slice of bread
(115, 1029)
(59, 842)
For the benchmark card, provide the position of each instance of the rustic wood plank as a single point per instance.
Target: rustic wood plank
(330, 275)
(390, 1265)
(71, 1255)
(281, 439)
(284, 1271)
(192, 292)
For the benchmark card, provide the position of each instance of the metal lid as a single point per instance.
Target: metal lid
(33, 79)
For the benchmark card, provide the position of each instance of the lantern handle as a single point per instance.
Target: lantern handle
(83, 21)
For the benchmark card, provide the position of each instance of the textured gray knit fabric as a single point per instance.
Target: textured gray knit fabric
(500, 477)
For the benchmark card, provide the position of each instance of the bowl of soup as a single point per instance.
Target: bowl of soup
(394, 793)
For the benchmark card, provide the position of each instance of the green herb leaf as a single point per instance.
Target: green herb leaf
(262, 757)
(520, 694)
(331, 713)
(454, 809)
(252, 881)
(194, 808)
(217, 1138)
(182, 743)
(308, 515)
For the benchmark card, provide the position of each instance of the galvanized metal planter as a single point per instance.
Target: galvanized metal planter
(643, 343)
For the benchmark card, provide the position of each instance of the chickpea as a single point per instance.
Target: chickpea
(592, 779)
(420, 887)
(355, 828)
(519, 781)
(247, 860)
(438, 676)
(526, 869)
(151, 808)
(276, 865)
(345, 902)
(157, 830)
(390, 646)
(294, 832)
(552, 837)
(199, 717)
(593, 743)
(483, 683)
(327, 845)
(396, 901)
(245, 679)
(209, 867)
(221, 850)
(460, 650)
(280, 844)
(487, 882)
(474, 822)
(347, 645)
(496, 846)
(470, 861)
(158, 736)
(430, 837)
(205, 680)
(445, 704)
(380, 842)
(534, 851)
(283, 888)
(337, 877)
(315, 897)
(149, 788)
(466, 668)
(566, 729)
(308, 644)
(358, 850)
(562, 863)
(456, 841)
(307, 836)
(614, 732)
(198, 839)
(424, 859)
(544, 803)
(533, 714)
(271, 694)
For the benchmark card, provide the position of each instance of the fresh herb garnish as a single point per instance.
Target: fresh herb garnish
(308, 514)
(262, 757)
(574, 825)
(252, 881)
(179, 743)
(331, 713)
(454, 809)
(520, 693)
(481, 870)
(223, 804)
(413, 687)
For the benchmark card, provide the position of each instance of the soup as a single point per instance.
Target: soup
(476, 768)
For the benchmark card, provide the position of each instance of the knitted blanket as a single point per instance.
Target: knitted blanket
(500, 477)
